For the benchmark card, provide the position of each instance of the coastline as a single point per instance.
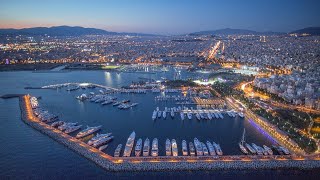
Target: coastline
(110, 163)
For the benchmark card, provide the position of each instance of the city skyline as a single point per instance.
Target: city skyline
(164, 17)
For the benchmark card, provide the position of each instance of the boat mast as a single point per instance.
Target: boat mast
(242, 140)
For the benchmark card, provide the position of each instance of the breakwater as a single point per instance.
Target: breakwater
(155, 163)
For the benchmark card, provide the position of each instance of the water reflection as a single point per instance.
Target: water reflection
(107, 78)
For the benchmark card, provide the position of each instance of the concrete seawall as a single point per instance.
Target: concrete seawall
(155, 164)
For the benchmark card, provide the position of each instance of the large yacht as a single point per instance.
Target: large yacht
(198, 147)
(138, 147)
(64, 126)
(211, 148)
(154, 148)
(129, 145)
(184, 148)
(71, 129)
(250, 148)
(205, 149)
(258, 150)
(146, 147)
(284, 150)
(192, 150)
(118, 150)
(102, 141)
(97, 137)
(88, 131)
(101, 148)
(217, 148)
(57, 123)
(174, 147)
(168, 148)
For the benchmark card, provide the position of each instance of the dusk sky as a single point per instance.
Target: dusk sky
(162, 16)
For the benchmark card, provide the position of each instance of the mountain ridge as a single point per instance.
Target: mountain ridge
(64, 31)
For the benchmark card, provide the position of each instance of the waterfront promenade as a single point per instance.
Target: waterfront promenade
(163, 163)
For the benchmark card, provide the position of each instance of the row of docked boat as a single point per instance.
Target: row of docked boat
(189, 113)
(133, 91)
(107, 99)
(254, 149)
(171, 98)
(70, 127)
(233, 114)
(141, 148)
(148, 148)
(44, 115)
(208, 149)
(98, 141)
(155, 90)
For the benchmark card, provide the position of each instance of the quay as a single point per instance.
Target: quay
(163, 163)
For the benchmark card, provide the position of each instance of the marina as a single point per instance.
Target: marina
(176, 127)
(215, 162)
(206, 114)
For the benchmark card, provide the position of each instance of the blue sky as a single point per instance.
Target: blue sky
(162, 16)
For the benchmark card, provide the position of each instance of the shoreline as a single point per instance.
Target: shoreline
(161, 163)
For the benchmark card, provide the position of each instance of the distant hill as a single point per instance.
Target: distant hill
(229, 31)
(315, 31)
(63, 31)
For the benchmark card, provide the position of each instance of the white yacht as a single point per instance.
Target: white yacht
(192, 150)
(71, 129)
(184, 148)
(88, 131)
(211, 148)
(97, 137)
(118, 150)
(174, 147)
(168, 148)
(102, 141)
(217, 148)
(198, 147)
(154, 147)
(205, 149)
(138, 147)
(129, 145)
(146, 147)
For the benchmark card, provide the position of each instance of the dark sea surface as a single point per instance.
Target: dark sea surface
(25, 153)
